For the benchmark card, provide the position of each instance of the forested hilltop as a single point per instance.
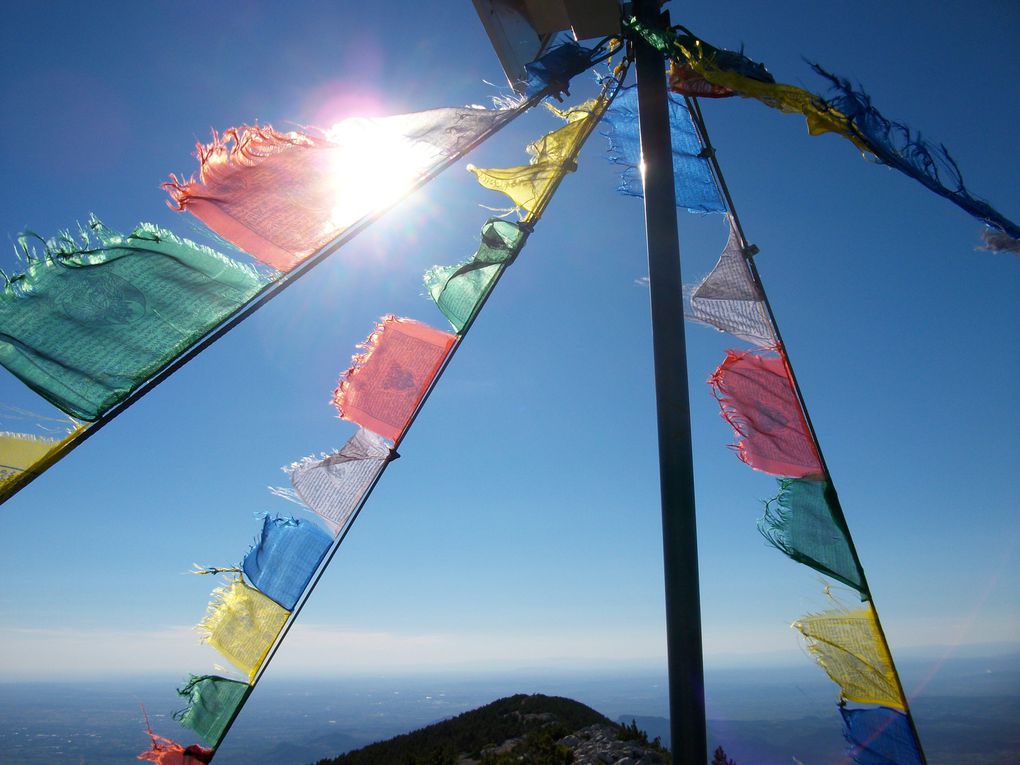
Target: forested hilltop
(537, 729)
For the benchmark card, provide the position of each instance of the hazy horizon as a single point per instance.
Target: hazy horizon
(410, 656)
(764, 715)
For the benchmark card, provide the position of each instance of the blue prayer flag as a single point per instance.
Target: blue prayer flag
(696, 189)
(284, 557)
(880, 736)
(557, 66)
(896, 145)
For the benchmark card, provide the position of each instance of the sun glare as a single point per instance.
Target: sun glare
(373, 167)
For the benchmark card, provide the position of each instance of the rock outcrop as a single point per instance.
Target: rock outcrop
(601, 745)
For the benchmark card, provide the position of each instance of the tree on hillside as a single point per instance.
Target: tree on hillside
(720, 758)
(633, 733)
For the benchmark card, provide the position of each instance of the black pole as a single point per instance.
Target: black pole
(676, 468)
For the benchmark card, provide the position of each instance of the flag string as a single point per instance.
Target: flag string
(839, 517)
(540, 207)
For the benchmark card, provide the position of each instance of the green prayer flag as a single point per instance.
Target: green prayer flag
(95, 317)
(212, 702)
(458, 290)
(806, 523)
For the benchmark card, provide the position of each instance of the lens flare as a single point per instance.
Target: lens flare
(374, 167)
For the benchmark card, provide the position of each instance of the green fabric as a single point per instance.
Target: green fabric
(93, 318)
(662, 39)
(677, 44)
(212, 702)
(459, 290)
(806, 523)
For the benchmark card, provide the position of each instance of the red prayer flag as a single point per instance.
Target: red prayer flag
(382, 388)
(267, 192)
(685, 81)
(283, 197)
(167, 752)
(757, 398)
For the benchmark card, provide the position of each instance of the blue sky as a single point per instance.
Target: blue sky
(521, 525)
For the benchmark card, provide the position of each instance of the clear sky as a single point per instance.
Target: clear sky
(521, 525)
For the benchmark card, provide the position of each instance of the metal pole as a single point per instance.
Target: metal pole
(676, 468)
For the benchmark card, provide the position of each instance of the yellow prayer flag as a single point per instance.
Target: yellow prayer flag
(561, 145)
(21, 452)
(850, 648)
(525, 185)
(242, 624)
(821, 118)
(552, 156)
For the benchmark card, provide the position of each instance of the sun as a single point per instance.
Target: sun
(374, 165)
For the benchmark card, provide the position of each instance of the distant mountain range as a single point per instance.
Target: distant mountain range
(521, 729)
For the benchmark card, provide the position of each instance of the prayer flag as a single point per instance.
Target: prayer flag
(552, 156)
(730, 300)
(685, 81)
(806, 523)
(880, 736)
(820, 115)
(694, 184)
(284, 196)
(90, 321)
(212, 703)
(334, 485)
(19, 451)
(242, 624)
(525, 184)
(849, 646)
(998, 241)
(556, 67)
(383, 387)
(459, 290)
(284, 557)
(849, 113)
(734, 72)
(674, 45)
(758, 400)
(896, 145)
(22, 453)
(167, 752)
